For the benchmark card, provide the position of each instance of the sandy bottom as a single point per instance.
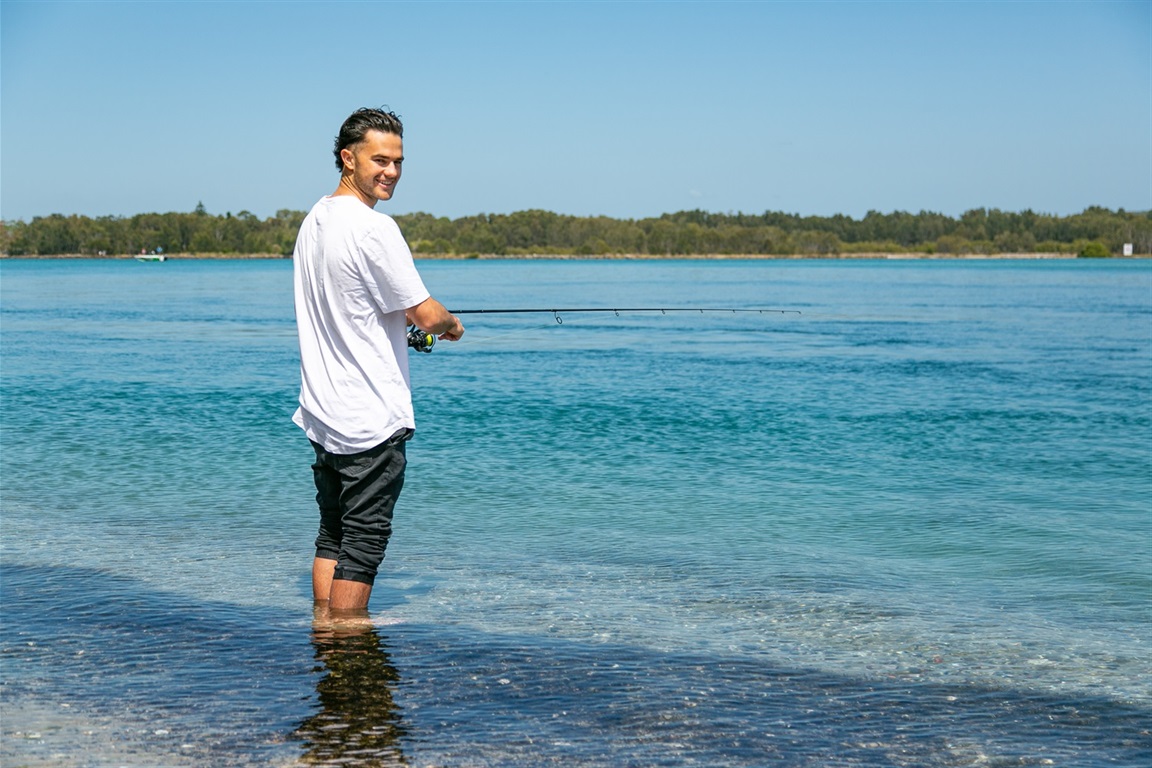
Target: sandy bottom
(35, 734)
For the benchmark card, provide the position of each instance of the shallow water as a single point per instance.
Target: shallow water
(911, 525)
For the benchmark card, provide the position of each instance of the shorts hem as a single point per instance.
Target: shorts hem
(344, 574)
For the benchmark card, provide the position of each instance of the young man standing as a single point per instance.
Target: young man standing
(356, 290)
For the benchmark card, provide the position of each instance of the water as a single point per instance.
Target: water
(911, 526)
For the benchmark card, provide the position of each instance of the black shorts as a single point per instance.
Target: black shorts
(356, 494)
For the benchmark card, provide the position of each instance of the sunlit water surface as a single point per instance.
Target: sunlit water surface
(909, 526)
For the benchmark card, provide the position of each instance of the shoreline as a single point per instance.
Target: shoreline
(613, 256)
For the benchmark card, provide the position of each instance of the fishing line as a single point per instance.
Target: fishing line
(489, 337)
(423, 341)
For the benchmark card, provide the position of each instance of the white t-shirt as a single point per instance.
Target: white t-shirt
(354, 277)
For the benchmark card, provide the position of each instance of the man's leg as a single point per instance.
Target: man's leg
(322, 569)
(349, 595)
(328, 488)
(356, 498)
(338, 594)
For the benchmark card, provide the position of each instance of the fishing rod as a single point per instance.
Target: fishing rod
(423, 341)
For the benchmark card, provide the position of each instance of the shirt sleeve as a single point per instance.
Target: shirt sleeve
(392, 277)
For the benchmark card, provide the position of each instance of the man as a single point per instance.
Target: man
(356, 290)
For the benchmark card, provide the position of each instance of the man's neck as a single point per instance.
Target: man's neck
(346, 189)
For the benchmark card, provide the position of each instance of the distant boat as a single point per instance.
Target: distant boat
(151, 257)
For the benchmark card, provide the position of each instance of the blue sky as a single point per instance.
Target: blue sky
(623, 109)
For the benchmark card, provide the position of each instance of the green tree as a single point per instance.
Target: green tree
(1094, 250)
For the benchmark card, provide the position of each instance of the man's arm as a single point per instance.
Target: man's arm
(431, 316)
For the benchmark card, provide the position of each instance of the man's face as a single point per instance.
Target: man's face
(372, 166)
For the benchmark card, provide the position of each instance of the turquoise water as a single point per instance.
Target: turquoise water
(909, 526)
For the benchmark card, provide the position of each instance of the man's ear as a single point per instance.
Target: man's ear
(346, 157)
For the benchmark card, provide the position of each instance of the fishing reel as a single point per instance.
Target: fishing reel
(419, 340)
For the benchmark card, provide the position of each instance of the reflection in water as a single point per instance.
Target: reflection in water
(358, 723)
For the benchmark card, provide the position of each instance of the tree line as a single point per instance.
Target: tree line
(1094, 232)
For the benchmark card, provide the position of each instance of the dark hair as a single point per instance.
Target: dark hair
(359, 123)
